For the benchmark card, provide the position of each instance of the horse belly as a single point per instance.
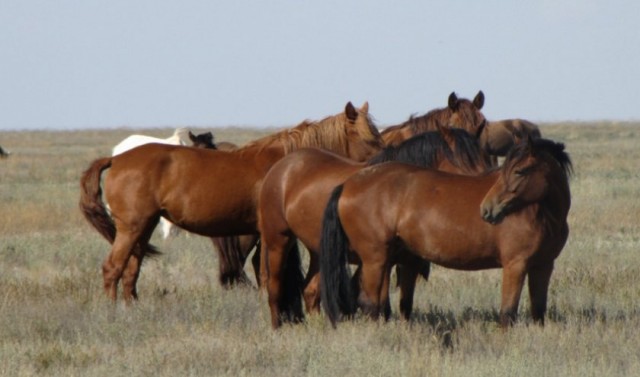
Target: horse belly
(462, 246)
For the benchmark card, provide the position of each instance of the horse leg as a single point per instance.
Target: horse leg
(255, 260)
(130, 277)
(312, 284)
(132, 271)
(407, 277)
(539, 278)
(374, 294)
(114, 265)
(168, 228)
(275, 249)
(513, 276)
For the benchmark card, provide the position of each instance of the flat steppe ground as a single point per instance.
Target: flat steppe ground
(56, 320)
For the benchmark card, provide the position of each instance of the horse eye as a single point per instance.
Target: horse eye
(523, 171)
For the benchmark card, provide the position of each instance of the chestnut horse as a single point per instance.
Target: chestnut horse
(292, 201)
(439, 217)
(460, 113)
(208, 192)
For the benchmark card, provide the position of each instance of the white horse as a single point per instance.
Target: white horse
(168, 228)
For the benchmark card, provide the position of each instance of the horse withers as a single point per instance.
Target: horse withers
(514, 218)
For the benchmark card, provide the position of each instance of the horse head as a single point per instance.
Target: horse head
(533, 170)
(204, 140)
(466, 114)
(363, 138)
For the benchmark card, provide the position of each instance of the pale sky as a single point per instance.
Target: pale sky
(102, 64)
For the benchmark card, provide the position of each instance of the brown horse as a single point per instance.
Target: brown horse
(498, 136)
(460, 113)
(157, 180)
(395, 207)
(292, 201)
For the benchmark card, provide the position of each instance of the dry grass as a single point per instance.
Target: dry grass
(54, 319)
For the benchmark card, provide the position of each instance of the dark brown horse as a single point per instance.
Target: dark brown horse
(497, 137)
(460, 113)
(208, 192)
(296, 190)
(514, 218)
(204, 140)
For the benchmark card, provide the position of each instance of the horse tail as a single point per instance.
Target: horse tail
(335, 286)
(231, 258)
(91, 203)
(293, 282)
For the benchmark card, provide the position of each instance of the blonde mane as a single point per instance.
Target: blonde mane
(328, 133)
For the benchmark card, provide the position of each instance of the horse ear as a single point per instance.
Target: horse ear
(192, 137)
(478, 101)
(515, 133)
(350, 111)
(453, 101)
(365, 108)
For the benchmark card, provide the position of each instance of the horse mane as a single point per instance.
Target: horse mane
(555, 149)
(328, 133)
(435, 117)
(424, 150)
(430, 120)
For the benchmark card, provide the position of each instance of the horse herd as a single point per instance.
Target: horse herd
(428, 190)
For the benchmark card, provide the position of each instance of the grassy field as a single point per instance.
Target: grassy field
(55, 319)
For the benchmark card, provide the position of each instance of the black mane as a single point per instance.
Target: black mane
(555, 149)
(427, 149)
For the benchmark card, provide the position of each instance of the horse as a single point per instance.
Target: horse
(460, 113)
(294, 194)
(4, 153)
(199, 141)
(207, 192)
(497, 137)
(133, 141)
(205, 140)
(514, 218)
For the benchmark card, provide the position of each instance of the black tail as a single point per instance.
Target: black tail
(293, 281)
(335, 287)
(231, 258)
